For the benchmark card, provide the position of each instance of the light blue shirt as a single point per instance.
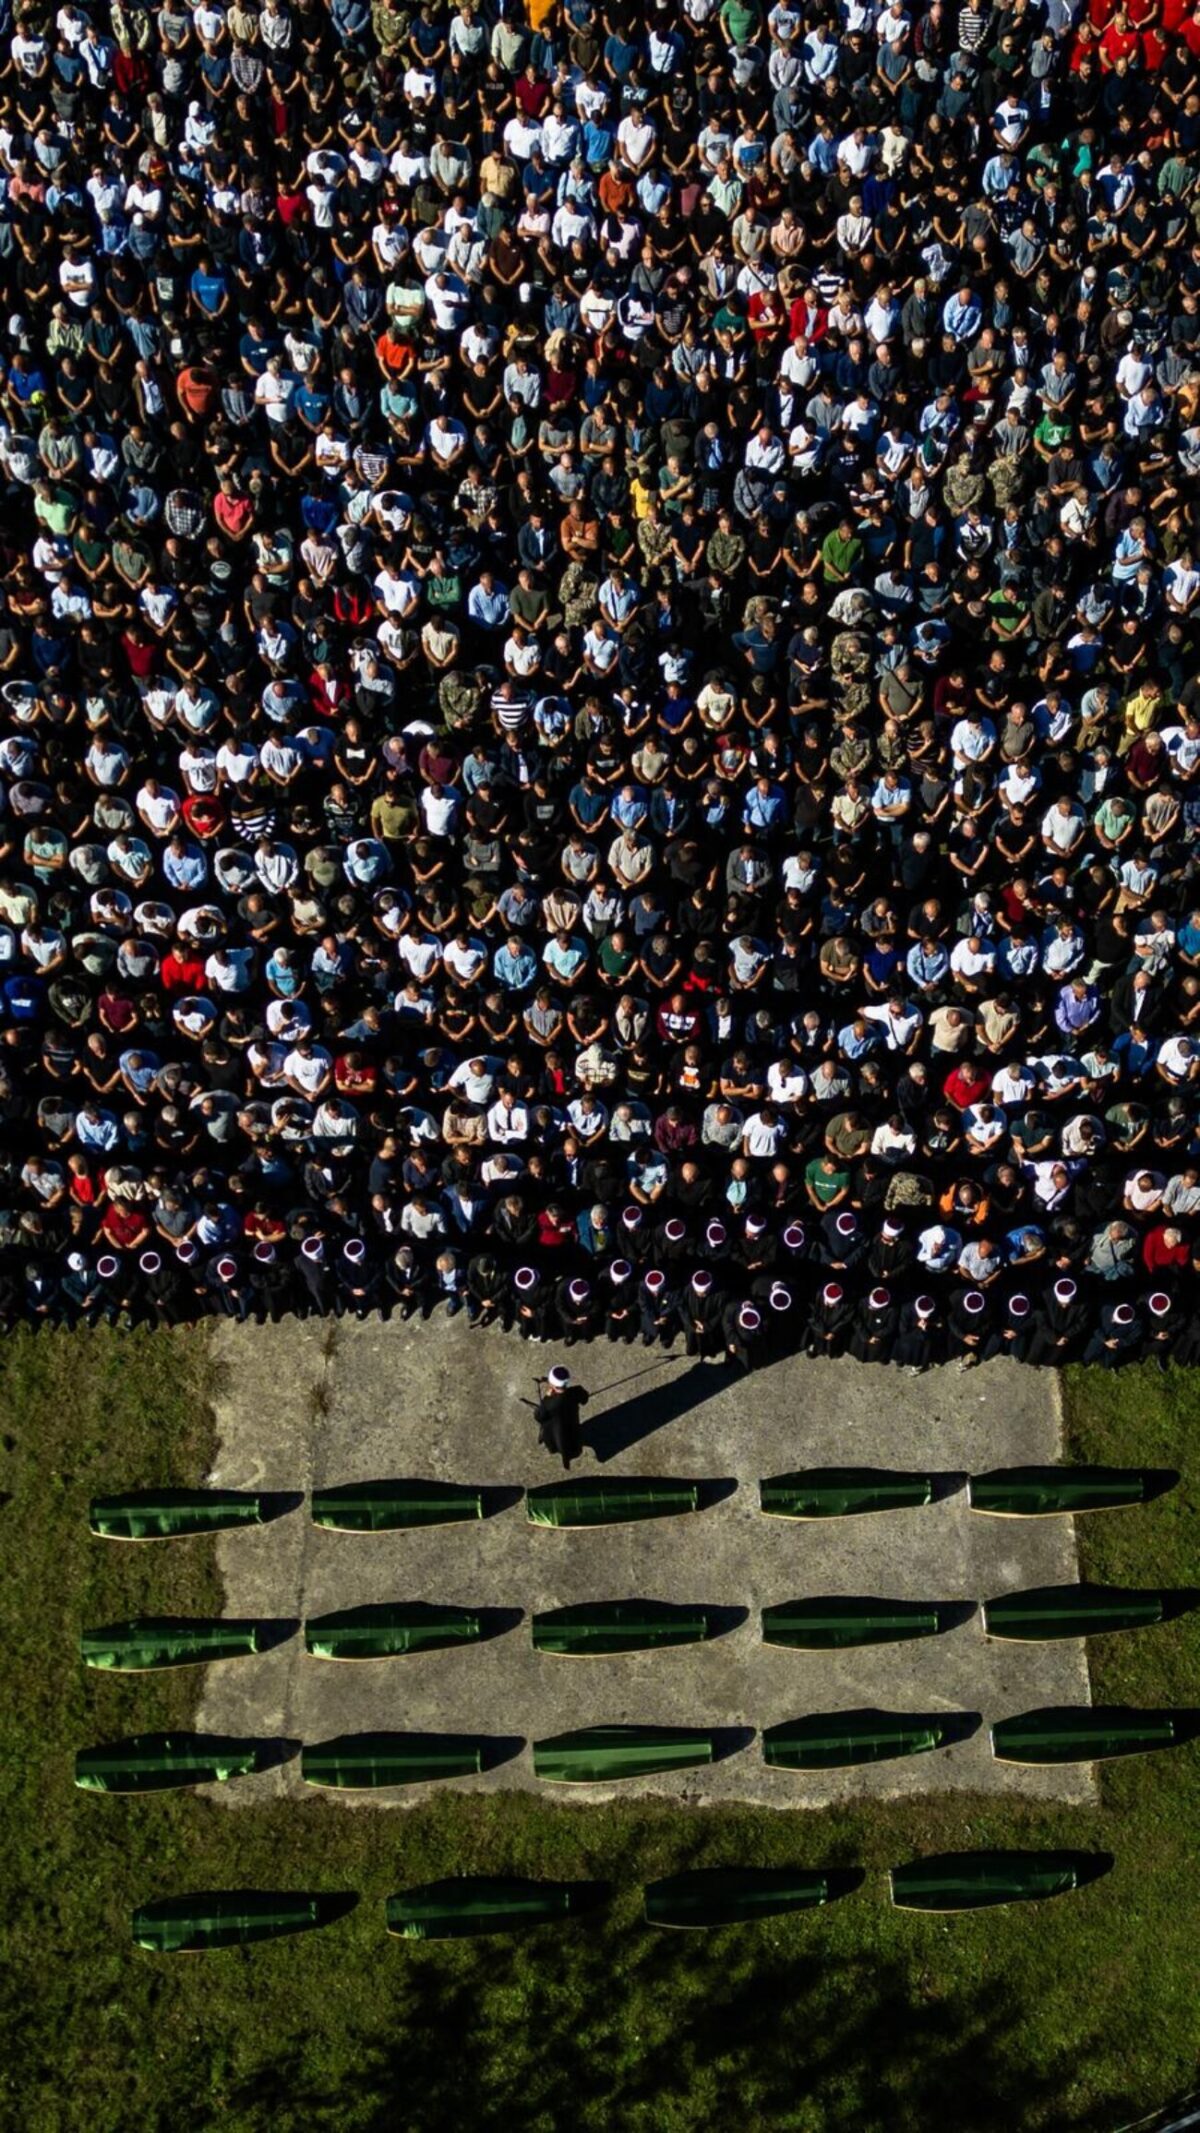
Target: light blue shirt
(962, 321)
(185, 870)
(514, 972)
(764, 810)
(924, 968)
(489, 609)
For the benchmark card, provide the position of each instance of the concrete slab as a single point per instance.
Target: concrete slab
(306, 1406)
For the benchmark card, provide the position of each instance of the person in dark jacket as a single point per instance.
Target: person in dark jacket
(1062, 1319)
(743, 1327)
(488, 1296)
(831, 1320)
(575, 1303)
(699, 1309)
(968, 1327)
(876, 1320)
(621, 1316)
(271, 1281)
(317, 1275)
(1117, 1338)
(920, 1336)
(560, 1402)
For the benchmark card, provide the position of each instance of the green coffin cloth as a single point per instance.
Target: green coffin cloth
(168, 1514)
(165, 1640)
(729, 1896)
(843, 1492)
(158, 1762)
(382, 1506)
(603, 1626)
(832, 1740)
(388, 1632)
(968, 1881)
(1088, 1734)
(361, 1762)
(1047, 1611)
(601, 1754)
(821, 1624)
(226, 1918)
(608, 1503)
(1033, 1491)
(481, 1903)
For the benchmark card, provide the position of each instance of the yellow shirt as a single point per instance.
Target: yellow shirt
(1141, 710)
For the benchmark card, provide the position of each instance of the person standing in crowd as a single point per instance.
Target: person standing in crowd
(598, 652)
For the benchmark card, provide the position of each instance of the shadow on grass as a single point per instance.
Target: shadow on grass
(738, 2025)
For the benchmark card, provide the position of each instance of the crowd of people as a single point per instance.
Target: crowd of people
(598, 617)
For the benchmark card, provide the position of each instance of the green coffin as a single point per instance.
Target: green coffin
(969, 1881)
(730, 1896)
(481, 1903)
(825, 1623)
(1048, 1611)
(389, 1632)
(159, 1762)
(228, 1918)
(602, 1754)
(843, 1492)
(169, 1514)
(604, 1626)
(382, 1506)
(1036, 1491)
(1089, 1734)
(833, 1740)
(154, 1641)
(362, 1762)
(608, 1503)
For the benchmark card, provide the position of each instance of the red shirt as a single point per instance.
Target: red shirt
(962, 1090)
(179, 974)
(533, 96)
(354, 1080)
(1159, 1257)
(263, 1228)
(124, 1227)
(116, 1012)
(203, 813)
(807, 325)
(233, 513)
(141, 658)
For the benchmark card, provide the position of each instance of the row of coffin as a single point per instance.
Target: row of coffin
(826, 1740)
(604, 1628)
(816, 1492)
(717, 1896)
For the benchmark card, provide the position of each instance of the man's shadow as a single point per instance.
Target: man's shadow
(625, 1425)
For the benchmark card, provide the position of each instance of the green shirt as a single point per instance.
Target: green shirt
(823, 1187)
(445, 591)
(741, 18)
(614, 962)
(839, 555)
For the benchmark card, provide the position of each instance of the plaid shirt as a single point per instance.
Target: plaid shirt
(184, 514)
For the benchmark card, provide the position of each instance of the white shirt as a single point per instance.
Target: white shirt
(1061, 830)
(506, 1125)
(762, 1138)
(309, 1072)
(899, 1029)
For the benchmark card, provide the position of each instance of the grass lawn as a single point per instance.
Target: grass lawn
(1078, 2014)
